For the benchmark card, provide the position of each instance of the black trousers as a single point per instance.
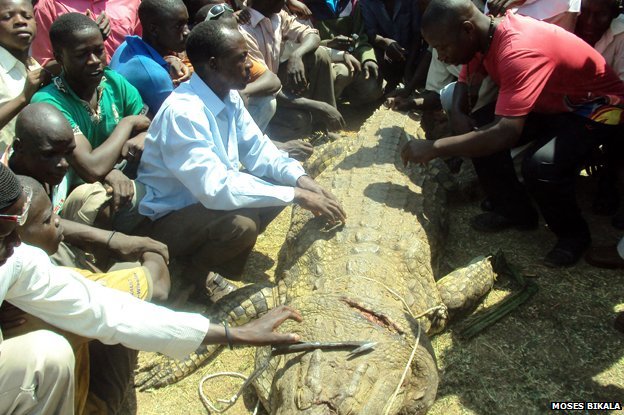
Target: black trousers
(561, 146)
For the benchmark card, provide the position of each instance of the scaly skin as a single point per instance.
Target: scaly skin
(237, 308)
(337, 279)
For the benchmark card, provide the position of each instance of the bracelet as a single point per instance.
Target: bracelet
(227, 335)
(109, 239)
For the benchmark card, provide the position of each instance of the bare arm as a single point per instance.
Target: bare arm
(267, 83)
(94, 164)
(34, 80)
(500, 135)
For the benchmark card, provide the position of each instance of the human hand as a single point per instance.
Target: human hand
(35, 79)
(102, 22)
(341, 42)
(178, 71)
(308, 183)
(352, 63)
(395, 53)
(499, 7)
(11, 316)
(120, 186)
(320, 205)
(242, 16)
(329, 116)
(261, 332)
(299, 9)
(418, 151)
(296, 75)
(369, 69)
(132, 248)
(399, 103)
(296, 149)
(133, 147)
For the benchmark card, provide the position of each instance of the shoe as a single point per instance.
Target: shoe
(495, 222)
(605, 257)
(567, 252)
(618, 323)
(217, 287)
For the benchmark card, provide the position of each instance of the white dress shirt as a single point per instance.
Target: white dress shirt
(195, 149)
(12, 80)
(66, 300)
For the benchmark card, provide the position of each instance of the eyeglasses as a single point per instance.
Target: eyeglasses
(21, 219)
(217, 10)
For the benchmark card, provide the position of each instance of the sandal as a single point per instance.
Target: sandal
(217, 287)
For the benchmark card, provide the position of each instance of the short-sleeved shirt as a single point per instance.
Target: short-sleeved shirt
(144, 68)
(12, 80)
(266, 36)
(117, 99)
(542, 68)
(122, 14)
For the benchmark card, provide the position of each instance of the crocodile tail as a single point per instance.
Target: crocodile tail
(463, 289)
(237, 308)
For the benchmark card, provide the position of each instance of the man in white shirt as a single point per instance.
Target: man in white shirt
(36, 369)
(200, 201)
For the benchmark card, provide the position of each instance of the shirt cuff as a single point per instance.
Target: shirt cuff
(189, 337)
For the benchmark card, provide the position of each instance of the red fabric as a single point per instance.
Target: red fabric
(540, 67)
(122, 14)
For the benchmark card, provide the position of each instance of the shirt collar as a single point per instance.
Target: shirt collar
(7, 61)
(139, 46)
(617, 25)
(255, 17)
(206, 95)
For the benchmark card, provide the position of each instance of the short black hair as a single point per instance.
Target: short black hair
(446, 14)
(66, 25)
(10, 188)
(207, 40)
(151, 10)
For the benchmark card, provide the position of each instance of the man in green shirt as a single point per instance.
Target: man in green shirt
(105, 111)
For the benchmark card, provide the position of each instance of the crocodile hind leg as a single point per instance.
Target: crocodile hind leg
(236, 308)
(463, 289)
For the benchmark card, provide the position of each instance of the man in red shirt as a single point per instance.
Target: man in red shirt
(553, 89)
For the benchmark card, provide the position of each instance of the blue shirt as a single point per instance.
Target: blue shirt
(145, 69)
(195, 149)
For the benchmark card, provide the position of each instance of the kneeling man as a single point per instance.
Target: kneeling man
(201, 202)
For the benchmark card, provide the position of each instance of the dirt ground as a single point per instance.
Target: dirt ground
(559, 346)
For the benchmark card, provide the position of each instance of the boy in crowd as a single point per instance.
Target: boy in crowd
(42, 381)
(20, 75)
(105, 111)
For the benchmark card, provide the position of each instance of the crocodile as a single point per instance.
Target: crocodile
(370, 279)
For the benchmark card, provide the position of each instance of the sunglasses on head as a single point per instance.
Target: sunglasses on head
(217, 11)
(21, 219)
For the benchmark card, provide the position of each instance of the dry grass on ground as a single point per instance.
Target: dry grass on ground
(559, 346)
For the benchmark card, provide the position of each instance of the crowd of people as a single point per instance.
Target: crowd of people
(136, 151)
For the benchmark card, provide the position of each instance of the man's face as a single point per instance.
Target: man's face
(9, 239)
(234, 67)
(46, 159)
(595, 19)
(455, 46)
(173, 30)
(83, 59)
(17, 25)
(43, 228)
